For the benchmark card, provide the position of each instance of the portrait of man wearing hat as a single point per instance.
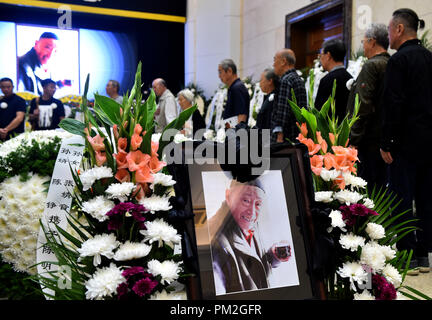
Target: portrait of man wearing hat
(240, 261)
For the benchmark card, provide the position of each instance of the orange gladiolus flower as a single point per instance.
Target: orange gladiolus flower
(154, 148)
(330, 161)
(301, 138)
(317, 164)
(137, 160)
(123, 175)
(143, 175)
(96, 142)
(100, 158)
(116, 132)
(312, 147)
(138, 129)
(156, 165)
(303, 129)
(142, 190)
(136, 141)
(340, 182)
(121, 160)
(332, 138)
(122, 144)
(322, 142)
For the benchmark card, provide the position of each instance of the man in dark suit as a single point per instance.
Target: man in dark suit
(332, 59)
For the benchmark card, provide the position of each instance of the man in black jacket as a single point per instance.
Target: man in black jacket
(332, 59)
(407, 129)
(366, 131)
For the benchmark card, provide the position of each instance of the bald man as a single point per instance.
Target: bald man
(167, 110)
(283, 122)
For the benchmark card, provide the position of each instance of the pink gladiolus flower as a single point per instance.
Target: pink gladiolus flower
(96, 142)
(143, 175)
(121, 160)
(137, 160)
(100, 158)
(116, 132)
(322, 142)
(332, 138)
(136, 141)
(317, 164)
(156, 165)
(123, 175)
(122, 144)
(138, 129)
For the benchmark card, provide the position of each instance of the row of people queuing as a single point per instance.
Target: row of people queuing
(395, 125)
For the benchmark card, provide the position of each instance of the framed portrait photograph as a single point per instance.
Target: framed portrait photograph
(252, 236)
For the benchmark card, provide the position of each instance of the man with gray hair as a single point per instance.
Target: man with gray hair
(237, 104)
(167, 110)
(283, 122)
(366, 131)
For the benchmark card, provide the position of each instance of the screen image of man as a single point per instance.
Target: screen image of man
(32, 66)
(240, 261)
(45, 111)
(12, 111)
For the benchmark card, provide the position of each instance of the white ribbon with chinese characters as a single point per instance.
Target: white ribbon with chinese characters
(58, 202)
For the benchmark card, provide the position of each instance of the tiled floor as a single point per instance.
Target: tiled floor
(421, 282)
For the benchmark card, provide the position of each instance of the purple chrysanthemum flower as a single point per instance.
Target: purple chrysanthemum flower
(122, 290)
(384, 290)
(137, 211)
(144, 286)
(133, 271)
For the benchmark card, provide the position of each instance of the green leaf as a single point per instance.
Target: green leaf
(343, 133)
(175, 124)
(297, 112)
(73, 126)
(311, 121)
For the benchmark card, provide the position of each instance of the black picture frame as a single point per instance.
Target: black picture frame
(293, 164)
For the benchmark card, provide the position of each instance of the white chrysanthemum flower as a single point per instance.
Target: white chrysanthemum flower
(351, 241)
(89, 177)
(355, 272)
(375, 231)
(179, 138)
(100, 245)
(120, 191)
(21, 206)
(348, 197)
(392, 275)
(368, 203)
(98, 207)
(161, 232)
(162, 179)
(168, 270)
(324, 196)
(388, 252)
(353, 180)
(131, 250)
(373, 256)
(156, 203)
(365, 295)
(329, 175)
(337, 220)
(104, 283)
(169, 296)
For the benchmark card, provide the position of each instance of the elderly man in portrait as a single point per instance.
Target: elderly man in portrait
(167, 110)
(283, 122)
(33, 66)
(240, 261)
(365, 134)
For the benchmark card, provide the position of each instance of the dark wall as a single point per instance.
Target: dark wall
(160, 44)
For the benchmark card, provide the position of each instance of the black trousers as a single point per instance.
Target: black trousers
(412, 181)
(371, 167)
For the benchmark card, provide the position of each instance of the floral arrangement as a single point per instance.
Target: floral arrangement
(126, 249)
(26, 164)
(354, 225)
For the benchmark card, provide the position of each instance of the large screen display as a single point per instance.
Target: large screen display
(34, 53)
